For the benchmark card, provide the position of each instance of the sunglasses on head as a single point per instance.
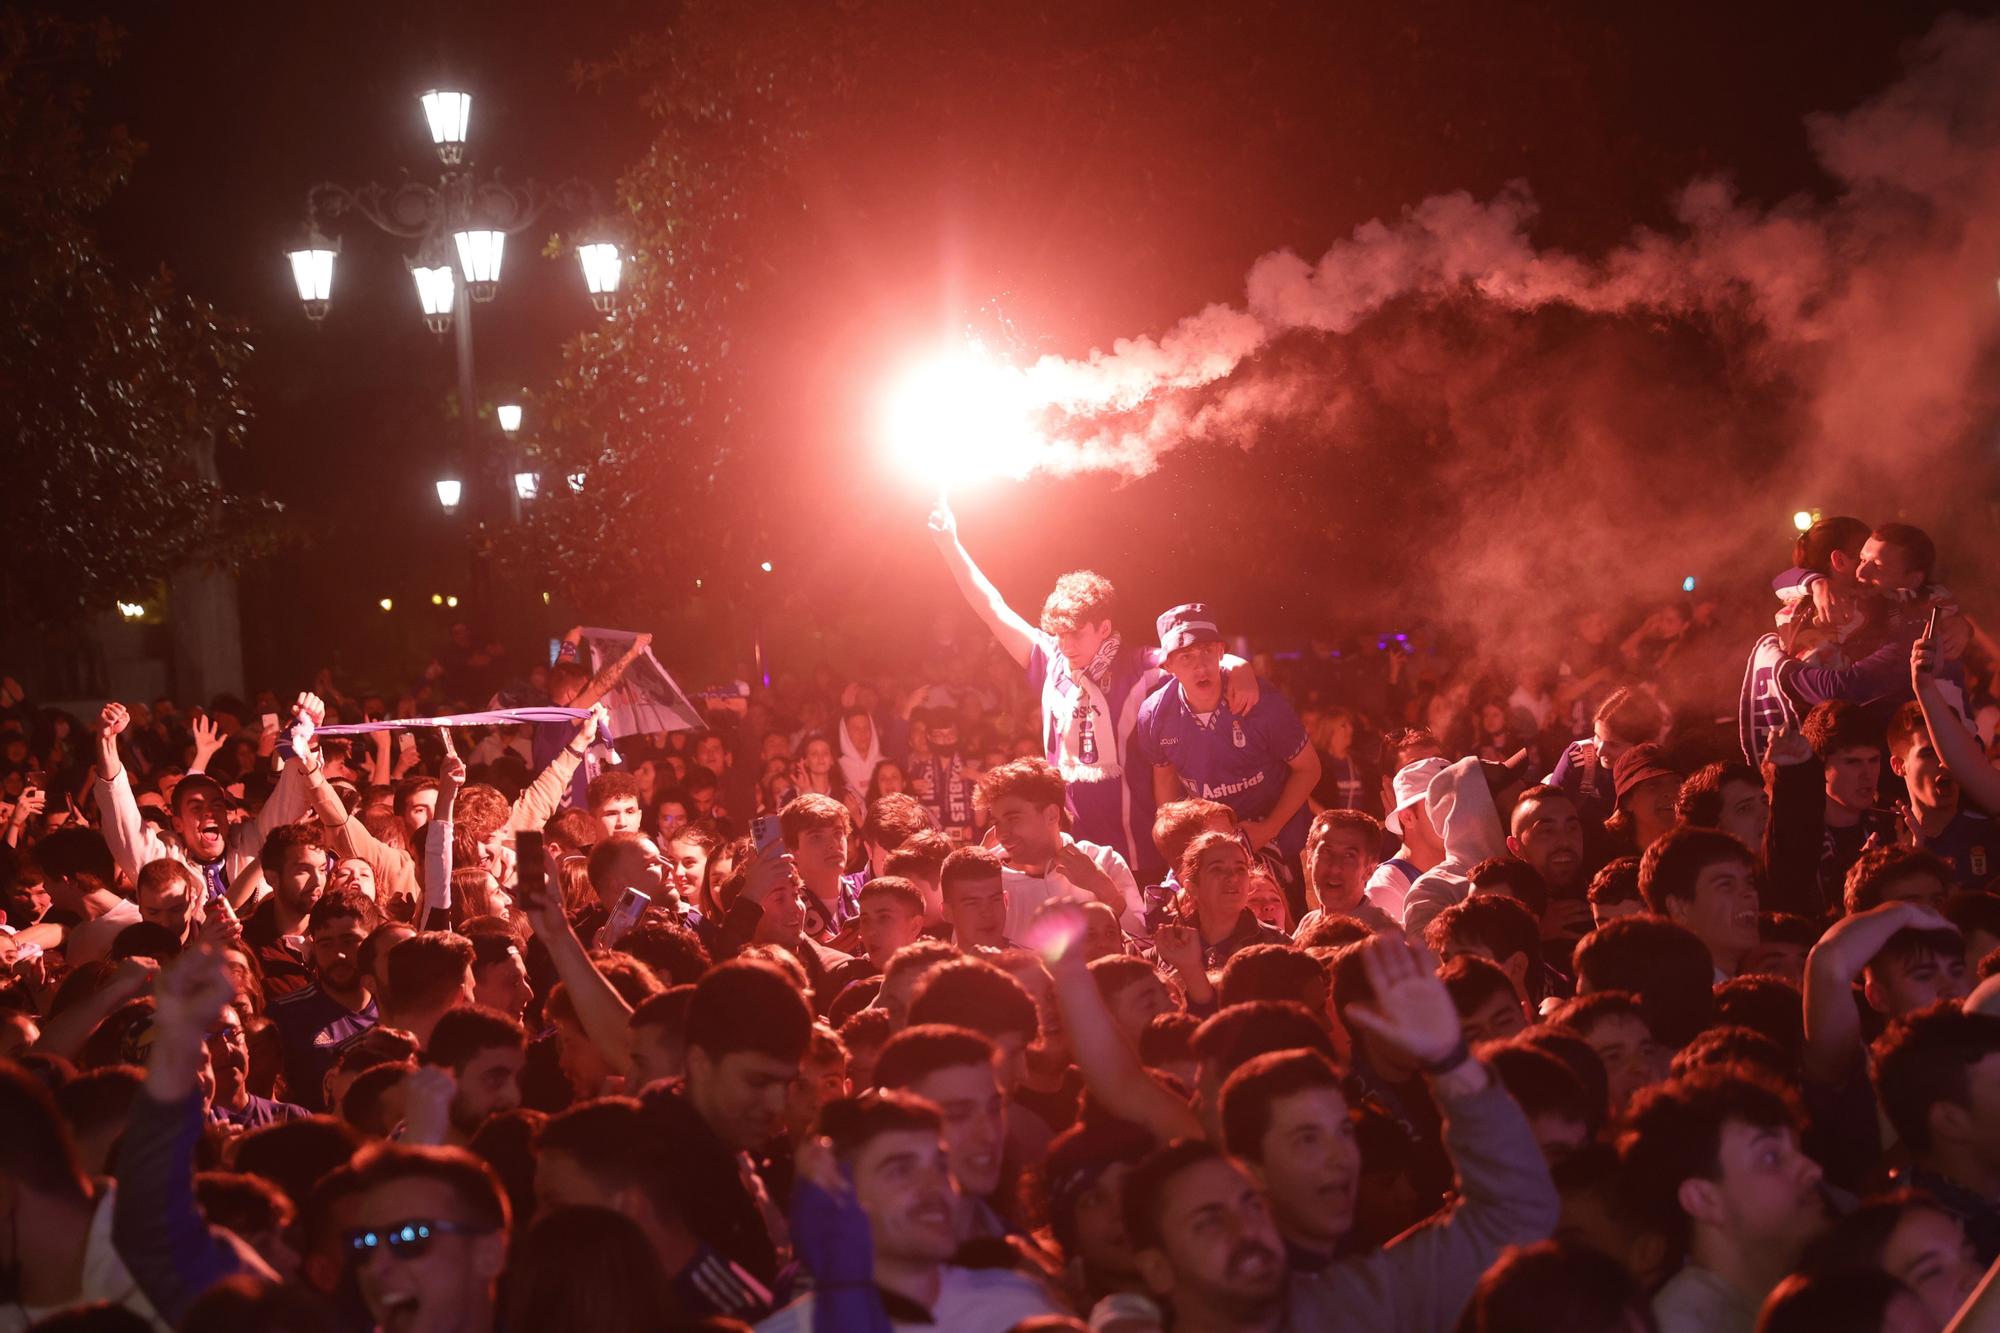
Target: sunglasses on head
(405, 1240)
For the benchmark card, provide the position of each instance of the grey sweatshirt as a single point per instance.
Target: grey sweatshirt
(1419, 1282)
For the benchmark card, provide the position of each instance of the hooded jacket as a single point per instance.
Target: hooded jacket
(1461, 807)
(858, 767)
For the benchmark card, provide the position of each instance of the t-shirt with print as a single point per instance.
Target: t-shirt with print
(1241, 762)
(1970, 843)
(1116, 811)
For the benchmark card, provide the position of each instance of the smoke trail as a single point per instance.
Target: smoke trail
(1874, 309)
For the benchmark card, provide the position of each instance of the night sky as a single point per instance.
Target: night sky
(1227, 132)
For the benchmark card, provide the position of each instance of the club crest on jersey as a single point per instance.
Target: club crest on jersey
(1236, 733)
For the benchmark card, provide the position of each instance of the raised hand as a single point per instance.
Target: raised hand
(771, 871)
(943, 523)
(33, 801)
(593, 726)
(189, 993)
(451, 771)
(1923, 662)
(1411, 1013)
(111, 720)
(1789, 746)
(207, 740)
(307, 714)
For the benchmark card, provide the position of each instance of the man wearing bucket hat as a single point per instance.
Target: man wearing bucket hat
(1262, 766)
(1421, 847)
(1092, 684)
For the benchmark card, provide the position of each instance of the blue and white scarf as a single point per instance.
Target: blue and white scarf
(1082, 737)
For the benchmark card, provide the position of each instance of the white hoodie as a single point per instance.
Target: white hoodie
(1462, 808)
(859, 768)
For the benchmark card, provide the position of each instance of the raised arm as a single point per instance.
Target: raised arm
(33, 801)
(607, 680)
(157, 1224)
(435, 913)
(1014, 633)
(1833, 1027)
(287, 801)
(395, 870)
(544, 795)
(606, 1018)
(1422, 1279)
(133, 841)
(208, 739)
(1955, 744)
(1110, 1067)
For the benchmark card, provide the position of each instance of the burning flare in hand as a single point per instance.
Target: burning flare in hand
(961, 416)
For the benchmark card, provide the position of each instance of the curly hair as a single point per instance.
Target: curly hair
(1080, 597)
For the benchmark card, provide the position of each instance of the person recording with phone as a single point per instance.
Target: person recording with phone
(32, 802)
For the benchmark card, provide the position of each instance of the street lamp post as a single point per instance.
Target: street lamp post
(460, 222)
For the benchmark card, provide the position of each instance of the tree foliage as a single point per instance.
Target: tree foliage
(115, 392)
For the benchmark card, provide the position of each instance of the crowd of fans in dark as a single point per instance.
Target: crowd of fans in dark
(1078, 978)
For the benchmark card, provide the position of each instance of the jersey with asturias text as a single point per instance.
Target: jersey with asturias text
(1241, 762)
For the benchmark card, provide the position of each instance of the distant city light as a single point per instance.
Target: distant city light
(437, 599)
(510, 416)
(451, 600)
(766, 566)
(387, 604)
(449, 490)
(1687, 584)
(135, 611)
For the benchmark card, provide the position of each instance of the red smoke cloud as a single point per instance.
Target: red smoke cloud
(1872, 310)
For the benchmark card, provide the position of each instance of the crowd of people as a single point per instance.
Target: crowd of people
(1084, 978)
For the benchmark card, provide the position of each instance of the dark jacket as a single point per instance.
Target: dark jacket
(158, 1227)
(707, 1182)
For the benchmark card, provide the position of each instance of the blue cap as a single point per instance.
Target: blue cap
(1187, 625)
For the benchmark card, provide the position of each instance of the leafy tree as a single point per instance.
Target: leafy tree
(115, 392)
